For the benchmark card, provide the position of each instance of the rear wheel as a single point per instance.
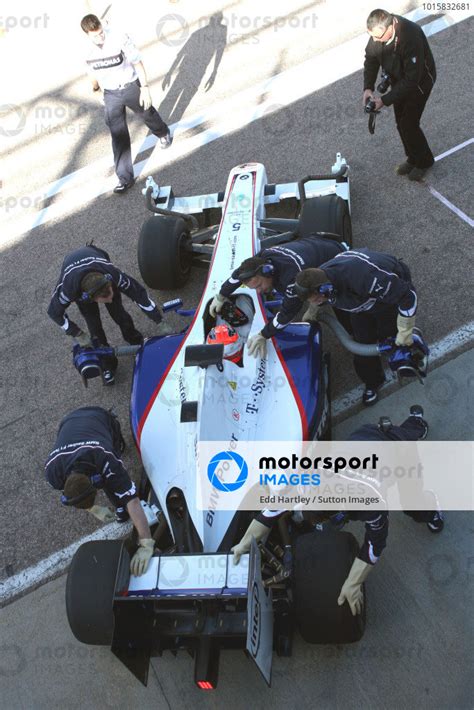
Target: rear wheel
(164, 255)
(90, 590)
(329, 213)
(322, 563)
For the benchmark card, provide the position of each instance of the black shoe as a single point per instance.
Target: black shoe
(417, 174)
(166, 141)
(370, 396)
(108, 378)
(416, 411)
(135, 338)
(436, 524)
(123, 187)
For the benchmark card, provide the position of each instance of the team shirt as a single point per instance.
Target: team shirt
(112, 63)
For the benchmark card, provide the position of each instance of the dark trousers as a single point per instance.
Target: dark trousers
(407, 116)
(117, 312)
(371, 327)
(116, 102)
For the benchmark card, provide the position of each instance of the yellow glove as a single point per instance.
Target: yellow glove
(257, 530)
(216, 305)
(311, 313)
(257, 345)
(351, 591)
(405, 325)
(102, 513)
(141, 558)
(83, 339)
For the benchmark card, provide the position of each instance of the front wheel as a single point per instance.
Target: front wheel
(164, 252)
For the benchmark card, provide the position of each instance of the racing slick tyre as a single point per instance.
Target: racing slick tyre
(164, 255)
(329, 213)
(322, 563)
(90, 590)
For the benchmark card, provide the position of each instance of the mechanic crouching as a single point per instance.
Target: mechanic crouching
(377, 292)
(376, 531)
(88, 278)
(86, 457)
(276, 268)
(414, 428)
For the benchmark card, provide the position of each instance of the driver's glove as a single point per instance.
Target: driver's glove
(216, 304)
(351, 591)
(141, 558)
(405, 325)
(102, 513)
(257, 530)
(257, 345)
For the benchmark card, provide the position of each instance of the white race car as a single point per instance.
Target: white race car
(185, 391)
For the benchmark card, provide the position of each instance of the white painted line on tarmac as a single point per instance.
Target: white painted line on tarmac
(225, 117)
(438, 352)
(56, 563)
(459, 213)
(454, 150)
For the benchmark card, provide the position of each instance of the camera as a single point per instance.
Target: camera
(369, 106)
(384, 83)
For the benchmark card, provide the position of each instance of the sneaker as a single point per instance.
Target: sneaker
(123, 187)
(370, 396)
(404, 168)
(417, 174)
(436, 524)
(416, 410)
(108, 378)
(166, 141)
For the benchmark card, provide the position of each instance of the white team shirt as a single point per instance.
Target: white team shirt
(112, 64)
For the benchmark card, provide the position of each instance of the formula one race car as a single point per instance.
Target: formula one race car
(187, 389)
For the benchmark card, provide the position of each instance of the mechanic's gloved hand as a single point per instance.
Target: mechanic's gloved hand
(311, 313)
(83, 339)
(141, 558)
(405, 325)
(216, 304)
(145, 97)
(257, 530)
(102, 513)
(351, 591)
(257, 345)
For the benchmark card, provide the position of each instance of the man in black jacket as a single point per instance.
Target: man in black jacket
(87, 457)
(276, 268)
(377, 292)
(89, 278)
(400, 47)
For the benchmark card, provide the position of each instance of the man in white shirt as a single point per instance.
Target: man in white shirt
(115, 66)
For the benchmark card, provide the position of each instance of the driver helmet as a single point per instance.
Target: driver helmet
(228, 337)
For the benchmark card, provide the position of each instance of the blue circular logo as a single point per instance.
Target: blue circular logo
(220, 464)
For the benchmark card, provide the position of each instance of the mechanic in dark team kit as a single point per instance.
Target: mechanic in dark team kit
(115, 66)
(400, 47)
(376, 290)
(376, 531)
(85, 458)
(276, 268)
(414, 428)
(88, 278)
